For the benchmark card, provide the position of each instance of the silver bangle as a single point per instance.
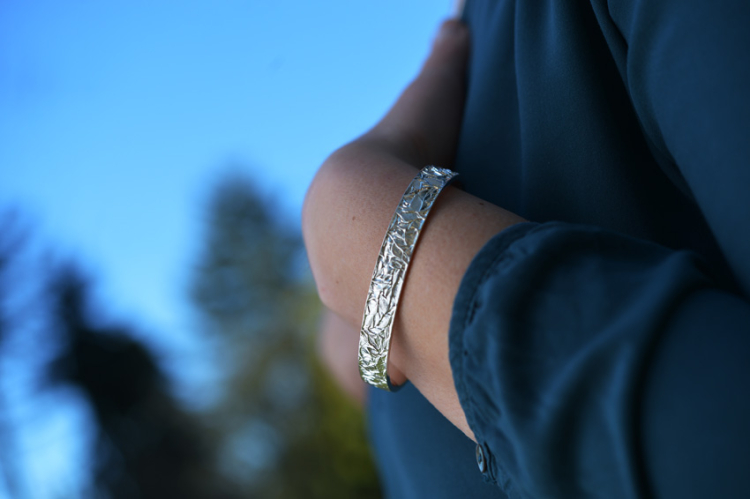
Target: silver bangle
(390, 270)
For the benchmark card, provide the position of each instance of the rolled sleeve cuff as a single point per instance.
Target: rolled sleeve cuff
(484, 264)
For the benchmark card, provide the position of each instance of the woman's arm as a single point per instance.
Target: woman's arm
(352, 199)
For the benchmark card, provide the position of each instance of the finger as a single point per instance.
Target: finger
(424, 124)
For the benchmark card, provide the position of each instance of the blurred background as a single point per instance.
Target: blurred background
(157, 316)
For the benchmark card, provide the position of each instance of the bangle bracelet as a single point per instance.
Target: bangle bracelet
(390, 270)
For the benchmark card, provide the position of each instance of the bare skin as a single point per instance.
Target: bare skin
(337, 348)
(349, 206)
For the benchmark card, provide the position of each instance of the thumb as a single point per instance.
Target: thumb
(423, 126)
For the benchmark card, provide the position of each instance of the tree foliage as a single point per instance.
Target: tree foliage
(298, 435)
(280, 429)
(146, 446)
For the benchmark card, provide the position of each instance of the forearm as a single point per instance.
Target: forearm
(346, 213)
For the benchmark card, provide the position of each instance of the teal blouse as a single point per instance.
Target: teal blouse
(603, 349)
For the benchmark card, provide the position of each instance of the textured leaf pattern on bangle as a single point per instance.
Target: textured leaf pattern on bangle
(390, 269)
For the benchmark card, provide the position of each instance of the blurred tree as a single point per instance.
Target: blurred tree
(12, 239)
(288, 432)
(147, 446)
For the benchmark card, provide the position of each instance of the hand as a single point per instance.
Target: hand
(352, 199)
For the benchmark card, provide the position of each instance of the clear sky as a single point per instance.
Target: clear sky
(116, 118)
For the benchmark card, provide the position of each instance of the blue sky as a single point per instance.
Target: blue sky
(116, 118)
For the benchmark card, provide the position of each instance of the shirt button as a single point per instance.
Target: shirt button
(481, 460)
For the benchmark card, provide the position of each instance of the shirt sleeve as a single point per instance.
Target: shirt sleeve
(591, 364)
